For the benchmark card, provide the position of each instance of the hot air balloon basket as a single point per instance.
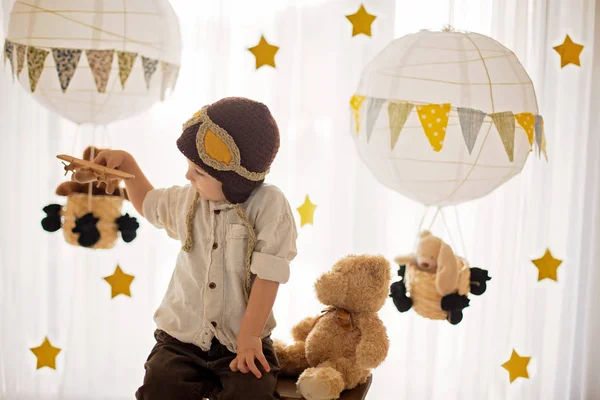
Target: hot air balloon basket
(91, 221)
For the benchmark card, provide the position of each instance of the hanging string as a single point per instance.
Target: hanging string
(92, 156)
(450, 26)
(462, 239)
(425, 210)
(434, 218)
(448, 230)
(78, 130)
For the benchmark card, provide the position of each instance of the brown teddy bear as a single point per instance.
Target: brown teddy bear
(79, 182)
(438, 281)
(337, 349)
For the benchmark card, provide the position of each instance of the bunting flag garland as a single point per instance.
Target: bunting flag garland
(21, 49)
(527, 122)
(398, 113)
(8, 54)
(434, 120)
(66, 61)
(355, 102)
(505, 124)
(126, 61)
(373, 108)
(36, 59)
(470, 123)
(101, 64)
(149, 69)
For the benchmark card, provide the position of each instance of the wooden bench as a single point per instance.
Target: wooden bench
(286, 387)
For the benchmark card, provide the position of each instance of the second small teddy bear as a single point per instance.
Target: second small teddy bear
(437, 280)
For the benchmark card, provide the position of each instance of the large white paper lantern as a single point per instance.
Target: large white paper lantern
(445, 117)
(134, 60)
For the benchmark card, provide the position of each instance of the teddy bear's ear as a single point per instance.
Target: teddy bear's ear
(424, 234)
(447, 271)
(89, 151)
(66, 188)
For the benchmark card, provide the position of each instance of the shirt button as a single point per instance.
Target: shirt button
(214, 324)
(215, 245)
(217, 212)
(212, 285)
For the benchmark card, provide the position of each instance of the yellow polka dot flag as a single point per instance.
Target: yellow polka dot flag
(527, 122)
(434, 119)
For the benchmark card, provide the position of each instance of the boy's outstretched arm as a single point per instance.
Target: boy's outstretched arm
(138, 187)
(249, 342)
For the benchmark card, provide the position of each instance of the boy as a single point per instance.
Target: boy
(239, 236)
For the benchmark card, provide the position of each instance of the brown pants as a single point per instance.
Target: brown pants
(182, 371)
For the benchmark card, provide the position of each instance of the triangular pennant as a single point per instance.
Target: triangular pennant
(539, 132)
(9, 49)
(36, 58)
(176, 77)
(470, 124)
(66, 61)
(544, 146)
(168, 75)
(527, 122)
(101, 64)
(434, 119)
(505, 124)
(373, 109)
(126, 61)
(149, 69)
(398, 113)
(355, 102)
(21, 49)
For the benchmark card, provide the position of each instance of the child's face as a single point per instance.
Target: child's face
(208, 187)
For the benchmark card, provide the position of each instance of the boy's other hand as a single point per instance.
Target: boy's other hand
(249, 348)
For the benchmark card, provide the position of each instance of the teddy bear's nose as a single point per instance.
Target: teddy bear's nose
(425, 265)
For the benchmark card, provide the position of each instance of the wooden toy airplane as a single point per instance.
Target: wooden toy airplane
(86, 171)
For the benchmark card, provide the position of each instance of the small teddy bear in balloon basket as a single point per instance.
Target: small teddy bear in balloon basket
(91, 218)
(435, 282)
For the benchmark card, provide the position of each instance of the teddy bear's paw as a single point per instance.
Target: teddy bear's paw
(323, 383)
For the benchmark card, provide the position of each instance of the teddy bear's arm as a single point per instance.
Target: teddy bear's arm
(374, 343)
(301, 330)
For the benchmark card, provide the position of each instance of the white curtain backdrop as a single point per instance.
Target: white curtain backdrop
(48, 288)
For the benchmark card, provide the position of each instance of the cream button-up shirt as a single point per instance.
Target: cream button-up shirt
(205, 297)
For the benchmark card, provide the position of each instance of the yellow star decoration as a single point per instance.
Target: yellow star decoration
(361, 21)
(517, 366)
(307, 211)
(119, 282)
(547, 266)
(264, 53)
(46, 354)
(569, 52)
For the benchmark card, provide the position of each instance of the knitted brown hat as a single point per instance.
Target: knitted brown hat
(234, 140)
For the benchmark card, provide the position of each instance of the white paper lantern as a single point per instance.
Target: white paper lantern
(135, 42)
(445, 117)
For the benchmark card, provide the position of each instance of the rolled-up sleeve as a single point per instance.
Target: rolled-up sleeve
(161, 208)
(275, 249)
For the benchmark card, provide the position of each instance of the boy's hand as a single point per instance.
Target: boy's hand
(249, 348)
(115, 159)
